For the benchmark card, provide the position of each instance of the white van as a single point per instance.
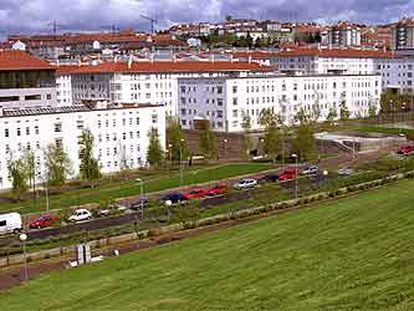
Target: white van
(10, 222)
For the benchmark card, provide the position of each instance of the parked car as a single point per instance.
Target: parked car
(80, 215)
(173, 198)
(291, 170)
(140, 202)
(245, 183)
(269, 178)
(310, 170)
(115, 208)
(407, 149)
(346, 171)
(43, 221)
(195, 193)
(287, 176)
(218, 189)
(11, 222)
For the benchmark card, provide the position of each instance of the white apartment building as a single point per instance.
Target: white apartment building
(345, 34)
(64, 85)
(149, 82)
(225, 101)
(325, 61)
(120, 133)
(25, 81)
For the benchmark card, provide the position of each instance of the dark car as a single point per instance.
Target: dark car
(173, 198)
(43, 221)
(269, 178)
(140, 202)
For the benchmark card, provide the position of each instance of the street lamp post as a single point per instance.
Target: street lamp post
(294, 155)
(181, 162)
(23, 239)
(170, 155)
(141, 184)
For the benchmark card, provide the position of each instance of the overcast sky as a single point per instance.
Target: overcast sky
(71, 15)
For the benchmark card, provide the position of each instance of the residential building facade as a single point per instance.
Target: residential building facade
(121, 135)
(226, 101)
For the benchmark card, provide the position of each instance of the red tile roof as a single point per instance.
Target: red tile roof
(172, 67)
(66, 69)
(339, 53)
(19, 60)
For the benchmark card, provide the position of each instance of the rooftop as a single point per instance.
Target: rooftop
(170, 67)
(19, 60)
(338, 53)
(88, 106)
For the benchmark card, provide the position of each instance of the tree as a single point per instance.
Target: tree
(208, 142)
(155, 154)
(272, 143)
(176, 141)
(18, 176)
(89, 167)
(187, 213)
(332, 115)
(303, 143)
(58, 165)
(246, 126)
(30, 168)
(372, 110)
(344, 113)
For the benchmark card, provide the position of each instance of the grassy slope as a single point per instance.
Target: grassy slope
(128, 188)
(354, 254)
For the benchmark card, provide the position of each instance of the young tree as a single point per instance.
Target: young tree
(344, 113)
(176, 141)
(332, 115)
(303, 143)
(372, 110)
(89, 167)
(30, 168)
(155, 154)
(272, 143)
(246, 126)
(187, 213)
(58, 165)
(208, 143)
(19, 178)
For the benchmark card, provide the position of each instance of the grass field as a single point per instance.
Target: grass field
(352, 254)
(128, 188)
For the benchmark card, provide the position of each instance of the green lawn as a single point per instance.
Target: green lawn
(127, 188)
(352, 254)
(385, 130)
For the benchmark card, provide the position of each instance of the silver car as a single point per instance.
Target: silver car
(245, 183)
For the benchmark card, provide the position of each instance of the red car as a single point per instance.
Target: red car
(406, 149)
(290, 170)
(195, 193)
(287, 176)
(43, 221)
(217, 190)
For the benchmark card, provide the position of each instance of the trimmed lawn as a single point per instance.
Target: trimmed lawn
(351, 254)
(127, 188)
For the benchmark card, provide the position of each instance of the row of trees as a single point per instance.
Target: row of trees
(58, 166)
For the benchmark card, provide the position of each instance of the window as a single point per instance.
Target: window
(234, 101)
(235, 113)
(18, 131)
(154, 118)
(234, 89)
(36, 130)
(219, 90)
(58, 127)
(137, 121)
(27, 130)
(6, 132)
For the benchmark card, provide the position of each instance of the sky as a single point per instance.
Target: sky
(34, 16)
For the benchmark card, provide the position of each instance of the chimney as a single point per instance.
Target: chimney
(152, 58)
(212, 58)
(1, 111)
(250, 59)
(130, 61)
